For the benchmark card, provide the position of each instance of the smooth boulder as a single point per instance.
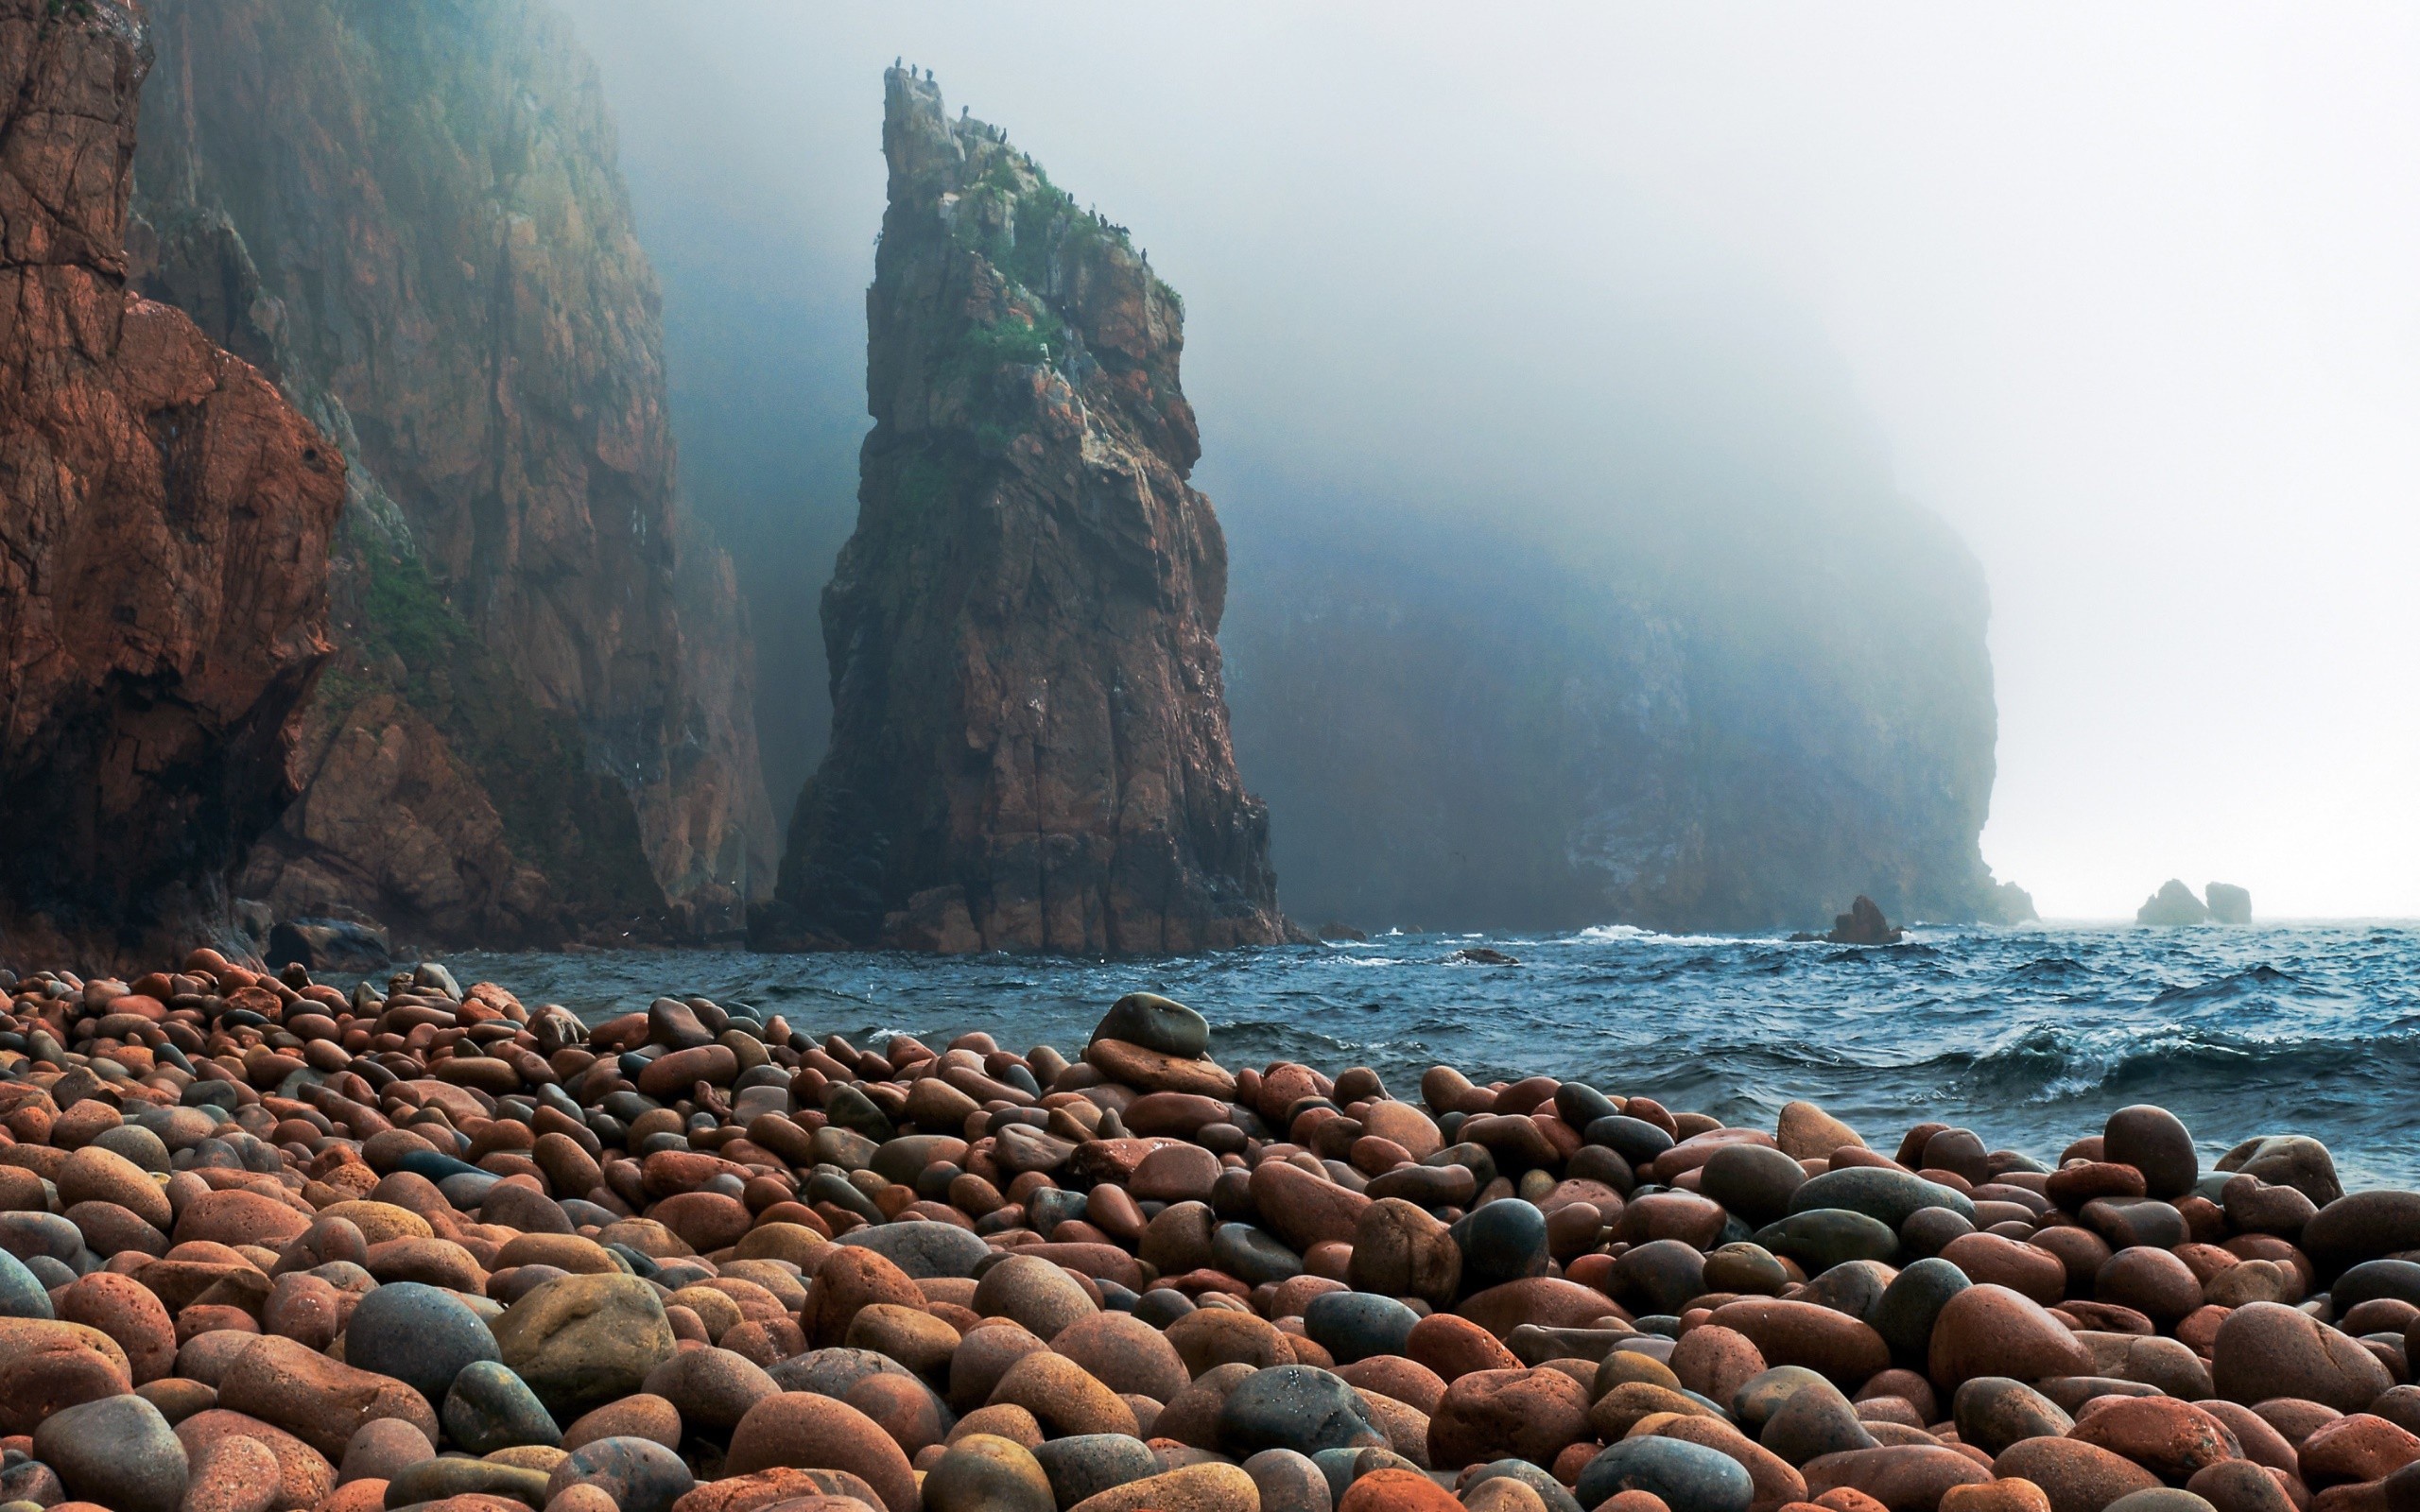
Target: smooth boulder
(118, 1452)
(581, 1341)
(1687, 1477)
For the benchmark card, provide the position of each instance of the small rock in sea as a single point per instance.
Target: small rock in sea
(2229, 905)
(1482, 956)
(1863, 924)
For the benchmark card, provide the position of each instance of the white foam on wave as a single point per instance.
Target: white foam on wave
(1604, 934)
(1624, 934)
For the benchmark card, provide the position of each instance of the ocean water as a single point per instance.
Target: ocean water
(2030, 1035)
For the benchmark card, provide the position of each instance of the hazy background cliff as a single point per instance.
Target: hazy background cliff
(539, 723)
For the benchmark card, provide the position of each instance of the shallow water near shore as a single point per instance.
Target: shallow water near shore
(2029, 1036)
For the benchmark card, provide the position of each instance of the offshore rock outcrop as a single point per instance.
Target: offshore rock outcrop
(164, 518)
(538, 724)
(2172, 906)
(2228, 904)
(1029, 745)
(1864, 924)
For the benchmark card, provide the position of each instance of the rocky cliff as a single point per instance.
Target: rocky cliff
(1460, 727)
(164, 520)
(538, 724)
(1029, 743)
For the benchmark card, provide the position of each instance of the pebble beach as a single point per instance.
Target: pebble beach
(267, 1245)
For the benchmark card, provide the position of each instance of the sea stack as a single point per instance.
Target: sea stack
(1029, 740)
(164, 517)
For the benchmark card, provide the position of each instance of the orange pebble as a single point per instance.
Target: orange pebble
(1407, 1491)
(2009, 1494)
(355, 1496)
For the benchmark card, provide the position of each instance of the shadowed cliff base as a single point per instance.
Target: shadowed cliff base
(1030, 735)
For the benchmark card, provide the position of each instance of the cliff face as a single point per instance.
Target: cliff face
(538, 721)
(164, 519)
(1029, 745)
(1461, 728)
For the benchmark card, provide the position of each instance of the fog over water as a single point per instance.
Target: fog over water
(2127, 297)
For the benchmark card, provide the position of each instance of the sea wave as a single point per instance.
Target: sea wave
(1632, 934)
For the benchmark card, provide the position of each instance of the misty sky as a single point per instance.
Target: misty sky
(2130, 297)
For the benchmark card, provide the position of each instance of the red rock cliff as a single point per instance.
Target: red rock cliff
(536, 725)
(1029, 745)
(164, 519)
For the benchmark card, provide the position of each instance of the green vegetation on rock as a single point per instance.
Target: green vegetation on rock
(573, 823)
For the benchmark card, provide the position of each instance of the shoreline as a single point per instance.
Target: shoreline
(2032, 1039)
(693, 1257)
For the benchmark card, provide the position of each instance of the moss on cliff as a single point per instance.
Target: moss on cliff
(573, 823)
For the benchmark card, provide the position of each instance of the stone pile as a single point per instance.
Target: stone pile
(268, 1246)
